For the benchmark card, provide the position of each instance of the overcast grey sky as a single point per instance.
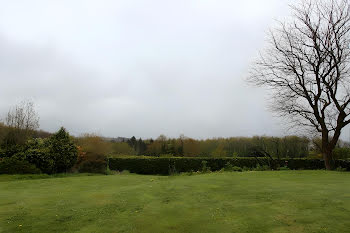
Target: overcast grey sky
(138, 67)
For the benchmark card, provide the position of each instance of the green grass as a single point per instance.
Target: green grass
(269, 201)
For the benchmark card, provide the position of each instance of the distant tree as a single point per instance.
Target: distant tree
(191, 147)
(220, 150)
(23, 116)
(41, 134)
(154, 149)
(122, 148)
(140, 147)
(3, 132)
(95, 144)
(307, 69)
(162, 139)
(342, 153)
(132, 142)
(22, 121)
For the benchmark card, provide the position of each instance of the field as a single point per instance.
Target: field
(267, 201)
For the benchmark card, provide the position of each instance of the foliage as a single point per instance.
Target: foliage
(64, 151)
(205, 167)
(289, 146)
(22, 121)
(94, 144)
(138, 146)
(55, 154)
(14, 165)
(161, 165)
(122, 148)
(228, 167)
(92, 163)
(37, 151)
(341, 153)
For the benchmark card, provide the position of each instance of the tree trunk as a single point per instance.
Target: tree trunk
(328, 157)
(327, 160)
(326, 150)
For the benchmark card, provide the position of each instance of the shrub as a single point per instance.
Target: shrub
(341, 153)
(52, 155)
(14, 165)
(228, 167)
(64, 151)
(37, 152)
(92, 163)
(205, 168)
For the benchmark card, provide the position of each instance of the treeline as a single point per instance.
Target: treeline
(25, 149)
(12, 139)
(277, 147)
(290, 146)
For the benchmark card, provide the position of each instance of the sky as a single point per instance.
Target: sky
(138, 67)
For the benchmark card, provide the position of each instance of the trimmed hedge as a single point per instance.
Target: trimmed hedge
(164, 166)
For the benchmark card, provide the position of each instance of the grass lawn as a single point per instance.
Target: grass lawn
(268, 201)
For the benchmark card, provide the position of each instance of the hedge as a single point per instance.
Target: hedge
(164, 166)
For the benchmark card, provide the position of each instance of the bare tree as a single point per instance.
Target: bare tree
(23, 120)
(306, 66)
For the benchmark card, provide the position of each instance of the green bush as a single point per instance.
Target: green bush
(161, 165)
(52, 155)
(14, 165)
(228, 167)
(341, 153)
(63, 150)
(205, 167)
(38, 153)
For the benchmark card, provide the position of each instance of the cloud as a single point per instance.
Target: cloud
(122, 68)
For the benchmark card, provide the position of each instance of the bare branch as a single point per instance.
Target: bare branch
(306, 67)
